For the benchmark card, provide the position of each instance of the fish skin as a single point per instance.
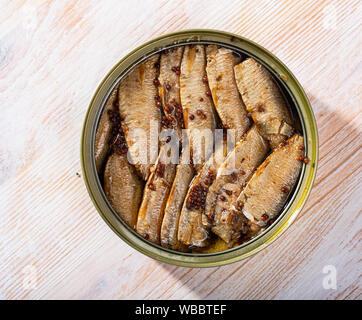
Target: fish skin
(253, 230)
(228, 103)
(169, 228)
(232, 176)
(151, 211)
(264, 101)
(263, 194)
(192, 88)
(138, 109)
(191, 231)
(123, 188)
(168, 77)
(104, 132)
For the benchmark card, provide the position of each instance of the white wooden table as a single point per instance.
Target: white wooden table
(53, 243)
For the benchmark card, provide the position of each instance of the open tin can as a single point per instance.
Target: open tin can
(296, 99)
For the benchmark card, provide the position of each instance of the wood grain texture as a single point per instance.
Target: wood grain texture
(52, 56)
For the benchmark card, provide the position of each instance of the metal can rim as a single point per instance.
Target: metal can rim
(301, 193)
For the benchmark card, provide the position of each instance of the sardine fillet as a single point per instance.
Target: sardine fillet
(231, 178)
(123, 188)
(169, 89)
(264, 101)
(217, 245)
(154, 200)
(169, 228)
(141, 115)
(195, 102)
(103, 134)
(191, 230)
(225, 94)
(268, 189)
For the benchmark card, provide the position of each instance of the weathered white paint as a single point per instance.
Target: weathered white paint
(52, 56)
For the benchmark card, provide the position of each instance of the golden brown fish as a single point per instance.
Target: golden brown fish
(141, 115)
(267, 191)
(103, 134)
(123, 188)
(169, 229)
(228, 103)
(264, 101)
(154, 199)
(231, 178)
(169, 89)
(191, 230)
(196, 102)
